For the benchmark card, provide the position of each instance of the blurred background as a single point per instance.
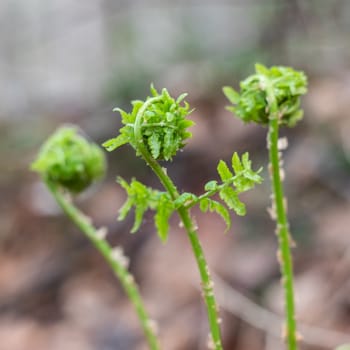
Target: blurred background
(73, 61)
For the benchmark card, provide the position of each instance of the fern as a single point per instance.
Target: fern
(157, 129)
(163, 126)
(271, 97)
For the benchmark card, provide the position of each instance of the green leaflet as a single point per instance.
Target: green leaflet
(211, 185)
(170, 144)
(139, 197)
(143, 198)
(154, 145)
(125, 209)
(114, 143)
(231, 94)
(236, 162)
(185, 199)
(245, 177)
(230, 197)
(224, 171)
(165, 209)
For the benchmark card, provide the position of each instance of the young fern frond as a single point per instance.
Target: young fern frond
(272, 97)
(251, 103)
(163, 125)
(68, 163)
(157, 130)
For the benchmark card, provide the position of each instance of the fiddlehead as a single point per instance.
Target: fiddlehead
(157, 126)
(68, 160)
(272, 97)
(68, 164)
(157, 129)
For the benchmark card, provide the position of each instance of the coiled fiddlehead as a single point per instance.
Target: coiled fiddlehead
(272, 97)
(158, 124)
(252, 103)
(157, 129)
(68, 164)
(67, 159)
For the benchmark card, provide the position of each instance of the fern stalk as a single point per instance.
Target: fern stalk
(207, 283)
(282, 230)
(125, 278)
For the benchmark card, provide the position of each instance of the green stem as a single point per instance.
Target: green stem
(282, 230)
(206, 281)
(124, 276)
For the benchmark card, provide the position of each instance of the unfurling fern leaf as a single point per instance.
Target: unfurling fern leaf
(162, 125)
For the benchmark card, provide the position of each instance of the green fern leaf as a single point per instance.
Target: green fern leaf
(164, 211)
(154, 145)
(247, 164)
(112, 144)
(169, 144)
(236, 163)
(222, 211)
(125, 209)
(230, 197)
(204, 204)
(231, 94)
(224, 171)
(184, 199)
(139, 212)
(211, 185)
(126, 117)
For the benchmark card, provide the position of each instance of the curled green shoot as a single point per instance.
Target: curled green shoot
(272, 97)
(157, 129)
(68, 164)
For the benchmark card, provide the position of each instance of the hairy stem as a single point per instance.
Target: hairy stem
(124, 276)
(207, 283)
(282, 230)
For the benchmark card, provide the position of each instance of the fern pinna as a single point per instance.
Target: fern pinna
(157, 128)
